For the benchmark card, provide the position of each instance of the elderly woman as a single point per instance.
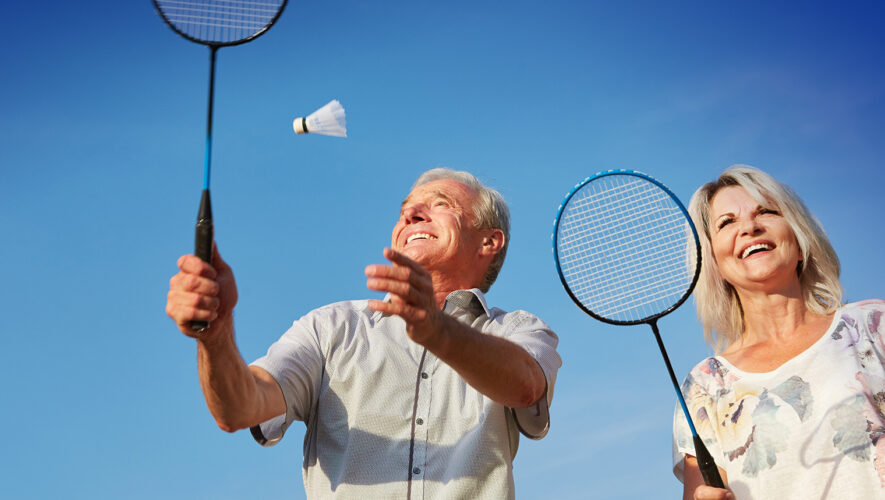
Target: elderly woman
(793, 404)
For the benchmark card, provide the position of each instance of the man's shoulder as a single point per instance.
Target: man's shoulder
(342, 309)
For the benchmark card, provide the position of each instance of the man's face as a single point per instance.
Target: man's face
(436, 229)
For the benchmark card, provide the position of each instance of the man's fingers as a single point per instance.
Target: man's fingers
(400, 259)
(409, 313)
(418, 278)
(190, 299)
(187, 282)
(393, 272)
(194, 265)
(184, 307)
(401, 288)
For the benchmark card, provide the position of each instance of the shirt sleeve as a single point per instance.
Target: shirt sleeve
(701, 405)
(533, 335)
(296, 362)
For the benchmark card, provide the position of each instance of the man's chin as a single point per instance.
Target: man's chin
(415, 254)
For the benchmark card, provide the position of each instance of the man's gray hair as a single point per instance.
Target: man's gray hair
(489, 212)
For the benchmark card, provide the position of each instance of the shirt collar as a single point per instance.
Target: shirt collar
(472, 300)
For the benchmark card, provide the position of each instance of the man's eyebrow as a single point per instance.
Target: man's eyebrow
(430, 195)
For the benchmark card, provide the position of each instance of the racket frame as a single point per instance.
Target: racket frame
(706, 464)
(215, 44)
(697, 242)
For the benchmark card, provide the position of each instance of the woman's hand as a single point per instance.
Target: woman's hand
(694, 487)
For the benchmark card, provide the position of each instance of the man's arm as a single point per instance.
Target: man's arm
(496, 367)
(238, 396)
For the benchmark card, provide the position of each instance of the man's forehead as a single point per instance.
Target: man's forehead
(443, 188)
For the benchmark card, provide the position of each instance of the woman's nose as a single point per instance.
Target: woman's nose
(749, 225)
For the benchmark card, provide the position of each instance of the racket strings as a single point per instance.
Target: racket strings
(220, 21)
(622, 248)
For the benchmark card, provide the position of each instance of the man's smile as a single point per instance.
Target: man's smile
(419, 236)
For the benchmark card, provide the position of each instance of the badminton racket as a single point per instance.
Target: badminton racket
(216, 24)
(627, 253)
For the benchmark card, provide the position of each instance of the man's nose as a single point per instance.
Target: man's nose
(415, 213)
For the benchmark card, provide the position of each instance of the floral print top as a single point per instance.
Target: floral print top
(809, 429)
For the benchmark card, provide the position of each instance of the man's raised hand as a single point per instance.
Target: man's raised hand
(411, 295)
(201, 292)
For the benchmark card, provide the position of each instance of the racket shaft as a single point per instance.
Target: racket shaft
(705, 461)
(706, 464)
(203, 243)
(203, 238)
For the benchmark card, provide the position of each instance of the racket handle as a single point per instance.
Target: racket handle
(706, 464)
(203, 244)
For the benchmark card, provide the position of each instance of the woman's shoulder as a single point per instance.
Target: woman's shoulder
(710, 375)
(868, 313)
(873, 308)
(872, 304)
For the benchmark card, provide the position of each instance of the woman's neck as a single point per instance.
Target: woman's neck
(777, 328)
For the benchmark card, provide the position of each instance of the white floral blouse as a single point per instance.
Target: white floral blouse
(810, 429)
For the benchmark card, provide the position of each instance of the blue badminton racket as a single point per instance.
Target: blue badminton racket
(216, 24)
(627, 253)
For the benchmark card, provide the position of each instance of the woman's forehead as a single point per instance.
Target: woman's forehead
(728, 198)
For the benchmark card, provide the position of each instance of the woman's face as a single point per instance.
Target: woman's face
(754, 247)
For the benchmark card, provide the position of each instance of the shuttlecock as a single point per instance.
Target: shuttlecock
(328, 120)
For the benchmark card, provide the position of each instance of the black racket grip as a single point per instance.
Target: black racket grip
(706, 464)
(203, 243)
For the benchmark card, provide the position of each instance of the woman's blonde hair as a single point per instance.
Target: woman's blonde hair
(719, 307)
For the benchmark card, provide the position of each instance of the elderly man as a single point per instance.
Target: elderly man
(420, 395)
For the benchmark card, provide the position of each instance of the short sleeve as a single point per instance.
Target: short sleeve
(296, 362)
(701, 405)
(533, 335)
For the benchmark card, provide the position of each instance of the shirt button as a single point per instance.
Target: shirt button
(424, 375)
(416, 470)
(420, 421)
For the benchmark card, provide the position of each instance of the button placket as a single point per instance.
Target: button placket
(419, 465)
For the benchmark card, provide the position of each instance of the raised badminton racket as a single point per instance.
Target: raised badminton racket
(216, 24)
(627, 253)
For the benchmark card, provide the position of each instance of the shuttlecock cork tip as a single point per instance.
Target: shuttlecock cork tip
(300, 125)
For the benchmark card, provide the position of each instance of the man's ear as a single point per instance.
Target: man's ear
(492, 242)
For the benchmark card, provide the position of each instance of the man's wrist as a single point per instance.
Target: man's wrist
(219, 335)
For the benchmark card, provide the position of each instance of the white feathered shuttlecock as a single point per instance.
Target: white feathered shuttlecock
(328, 120)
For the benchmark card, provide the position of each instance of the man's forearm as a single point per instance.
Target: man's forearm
(230, 388)
(494, 366)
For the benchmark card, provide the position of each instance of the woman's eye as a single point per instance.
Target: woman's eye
(723, 223)
(769, 211)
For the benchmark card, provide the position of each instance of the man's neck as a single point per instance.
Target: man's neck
(443, 285)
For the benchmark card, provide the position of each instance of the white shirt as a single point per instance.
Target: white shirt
(810, 429)
(386, 419)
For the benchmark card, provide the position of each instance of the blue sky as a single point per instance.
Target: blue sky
(101, 147)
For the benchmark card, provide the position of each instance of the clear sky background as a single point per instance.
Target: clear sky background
(102, 127)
